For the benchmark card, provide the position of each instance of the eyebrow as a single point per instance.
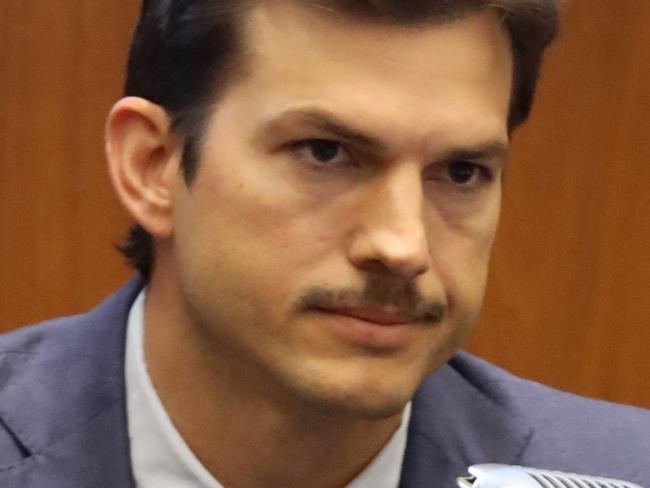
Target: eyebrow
(327, 122)
(496, 150)
(491, 151)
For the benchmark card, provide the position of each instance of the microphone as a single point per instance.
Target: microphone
(504, 476)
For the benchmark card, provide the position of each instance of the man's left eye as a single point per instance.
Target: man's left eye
(463, 172)
(322, 152)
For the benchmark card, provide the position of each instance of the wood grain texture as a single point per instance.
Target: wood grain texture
(568, 302)
(570, 283)
(61, 70)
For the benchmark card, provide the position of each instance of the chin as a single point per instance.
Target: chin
(367, 393)
(359, 404)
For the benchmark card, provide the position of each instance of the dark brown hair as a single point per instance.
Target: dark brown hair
(185, 52)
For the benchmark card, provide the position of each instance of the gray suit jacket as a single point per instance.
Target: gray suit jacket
(63, 414)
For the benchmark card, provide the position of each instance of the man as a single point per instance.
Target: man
(316, 186)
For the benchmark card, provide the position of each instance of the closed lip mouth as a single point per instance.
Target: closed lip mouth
(377, 315)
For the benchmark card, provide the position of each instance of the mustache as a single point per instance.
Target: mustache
(377, 292)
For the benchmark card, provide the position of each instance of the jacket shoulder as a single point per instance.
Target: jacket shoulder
(61, 380)
(571, 432)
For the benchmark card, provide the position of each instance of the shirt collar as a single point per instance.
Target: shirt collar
(162, 459)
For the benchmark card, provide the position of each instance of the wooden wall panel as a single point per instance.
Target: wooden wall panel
(569, 288)
(569, 299)
(60, 71)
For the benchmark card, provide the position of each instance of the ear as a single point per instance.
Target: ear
(143, 161)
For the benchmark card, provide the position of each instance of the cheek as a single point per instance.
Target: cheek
(460, 257)
(257, 233)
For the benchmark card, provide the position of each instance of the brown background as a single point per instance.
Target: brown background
(569, 292)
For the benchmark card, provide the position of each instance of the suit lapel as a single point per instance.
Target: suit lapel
(78, 436)
(458, 419)
(88, 456)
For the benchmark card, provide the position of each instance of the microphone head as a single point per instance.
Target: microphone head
(504, 476)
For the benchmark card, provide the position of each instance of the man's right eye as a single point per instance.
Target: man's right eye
(322, 152)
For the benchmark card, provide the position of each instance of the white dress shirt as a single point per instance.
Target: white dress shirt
(162, 459)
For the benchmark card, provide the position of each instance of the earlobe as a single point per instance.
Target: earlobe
(143, 161)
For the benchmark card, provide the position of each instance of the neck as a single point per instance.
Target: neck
(244, 428)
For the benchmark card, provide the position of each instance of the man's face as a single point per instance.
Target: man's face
(336, 238)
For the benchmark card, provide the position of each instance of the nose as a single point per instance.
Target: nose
(391, 235)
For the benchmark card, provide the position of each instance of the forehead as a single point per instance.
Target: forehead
(399, 78)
